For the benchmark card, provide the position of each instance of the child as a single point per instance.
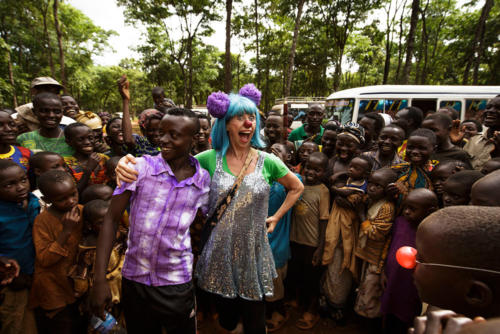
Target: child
(86, 166)
(111, 171)
(341, 235)
(40, 163)
(310, 215)
(329, 139)
(149, 122)
(96, 191)
(415, 173)
(485, 191)
(372, 124)
(457, 189)
(273, 130)
(440, 173)
(82, 272)
(441, 124)
(203, 142)
(491, 166)
(391, 137)
(400, 302)
(157, 289)
(56, 234)
(467, 239)
(8, 149)
(114, 138)
(279, 240)
(18, 209)
(304, 151)
(47, 108)
(373, 242)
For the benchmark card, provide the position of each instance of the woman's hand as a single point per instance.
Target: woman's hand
(271, 223)
(124, 172)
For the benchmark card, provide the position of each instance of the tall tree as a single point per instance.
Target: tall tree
(60, 45)
(227, 58)
(410, 41)
(477, 45)
(291, 58)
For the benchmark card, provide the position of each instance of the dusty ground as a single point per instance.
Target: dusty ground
(324, 326)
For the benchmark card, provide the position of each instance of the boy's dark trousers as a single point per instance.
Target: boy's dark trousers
(303, 276)
(66, 321)
(148, 309)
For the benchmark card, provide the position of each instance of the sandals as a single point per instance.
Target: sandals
(307, 321)
(276, 322)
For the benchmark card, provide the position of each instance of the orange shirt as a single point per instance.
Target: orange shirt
(52, 288)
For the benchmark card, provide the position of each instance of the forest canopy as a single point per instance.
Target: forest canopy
(291, 48)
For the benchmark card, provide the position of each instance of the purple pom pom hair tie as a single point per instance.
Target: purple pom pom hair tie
(218, 104)
(251, 92)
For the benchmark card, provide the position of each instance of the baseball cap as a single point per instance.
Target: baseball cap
(40, 81)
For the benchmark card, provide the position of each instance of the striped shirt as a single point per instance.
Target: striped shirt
(161, 211)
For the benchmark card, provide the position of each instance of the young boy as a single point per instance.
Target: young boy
(372, 123)
(96, 191)
(373, 242)
(304, 151)
(400, 301)
(457, 188)
(56, 234)
(470, 288)
(157, 288)
(86, 166)
(391, 137)
(149, 122)
(441, 124)
(485, 191)
(329, 139)
(279, 241)
(47, 107)
(309, 219)
(18, 209)
(341, 235)
(8, 149)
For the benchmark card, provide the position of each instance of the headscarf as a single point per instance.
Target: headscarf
(89, 119)
(355, 131)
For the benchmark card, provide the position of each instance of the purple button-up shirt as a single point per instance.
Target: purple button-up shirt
(161, 211)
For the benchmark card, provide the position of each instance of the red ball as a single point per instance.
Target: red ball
(407, 257)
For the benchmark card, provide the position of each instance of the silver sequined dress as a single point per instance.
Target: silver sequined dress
(237, 258)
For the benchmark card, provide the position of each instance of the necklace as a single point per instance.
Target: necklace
(51, 145)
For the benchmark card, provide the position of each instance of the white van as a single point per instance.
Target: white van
(351, 104)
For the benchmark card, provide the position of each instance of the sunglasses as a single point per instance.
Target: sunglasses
(407, 258)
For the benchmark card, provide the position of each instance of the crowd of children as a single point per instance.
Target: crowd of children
(68, 232)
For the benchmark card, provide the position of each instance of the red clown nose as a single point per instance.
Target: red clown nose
(247, 124)
(407, 257)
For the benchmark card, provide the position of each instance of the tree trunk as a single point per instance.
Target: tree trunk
(45, 8)
(59, 43)
(388, 33)
(257, 41)
(289, 73)
(227, 58)
(425, 47)
(189, 97)
(480, 49)
(410, 41)
(400, 45)
(11, 79)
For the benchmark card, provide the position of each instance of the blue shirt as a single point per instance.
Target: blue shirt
(279, 240)
(16, 224)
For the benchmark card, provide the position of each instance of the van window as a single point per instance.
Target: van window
(388, 106)
(457, 105)
(426, 105)
(340, 110)
(474, 109)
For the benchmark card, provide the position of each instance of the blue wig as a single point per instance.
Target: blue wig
(238, 105)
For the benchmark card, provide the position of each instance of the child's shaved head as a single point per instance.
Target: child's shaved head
(485, 191)
(320, 158)
(96, 191)
(465, 236)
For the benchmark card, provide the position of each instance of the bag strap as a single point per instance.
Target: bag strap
(224, 203)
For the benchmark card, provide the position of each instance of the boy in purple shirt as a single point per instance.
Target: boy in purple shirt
(170, 188)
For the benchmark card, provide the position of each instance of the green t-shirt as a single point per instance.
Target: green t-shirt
(300, 134)
(272, 170)
(37, 143)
